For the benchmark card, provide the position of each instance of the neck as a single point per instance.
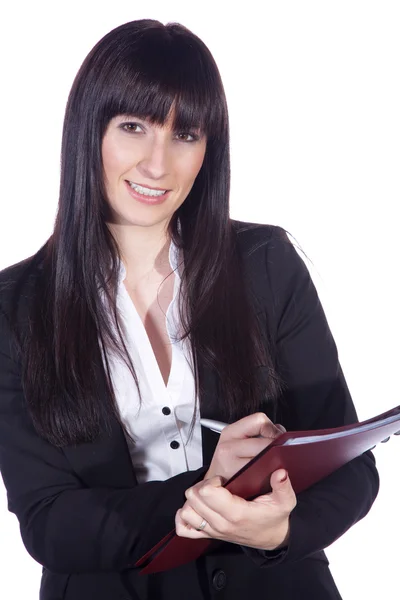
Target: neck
(144, 250)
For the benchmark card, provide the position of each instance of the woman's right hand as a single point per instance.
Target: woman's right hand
(238, 444)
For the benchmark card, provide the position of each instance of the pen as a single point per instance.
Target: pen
(217, 426)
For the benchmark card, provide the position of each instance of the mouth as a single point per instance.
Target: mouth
(146, 195)
(146, 189)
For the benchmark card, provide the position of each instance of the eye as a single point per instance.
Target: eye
(129, 127)
(194, 136)
(132, 127)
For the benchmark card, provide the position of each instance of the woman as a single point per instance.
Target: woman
(146, 308)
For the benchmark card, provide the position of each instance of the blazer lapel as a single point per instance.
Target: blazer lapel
(208, 394)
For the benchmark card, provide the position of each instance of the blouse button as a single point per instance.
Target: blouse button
(174, 445)
(166, 410)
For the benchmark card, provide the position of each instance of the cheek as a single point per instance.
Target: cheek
(114, 159)
(194, 165)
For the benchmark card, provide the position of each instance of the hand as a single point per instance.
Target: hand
(261, 523)
(237, 444)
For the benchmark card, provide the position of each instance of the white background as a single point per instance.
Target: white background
(313, 93)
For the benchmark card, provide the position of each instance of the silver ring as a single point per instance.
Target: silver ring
(202, 525)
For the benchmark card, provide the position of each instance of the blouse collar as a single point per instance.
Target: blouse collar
(173, 256)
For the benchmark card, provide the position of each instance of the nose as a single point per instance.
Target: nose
(154, 163)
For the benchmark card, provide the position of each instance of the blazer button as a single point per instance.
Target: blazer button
(219, 580)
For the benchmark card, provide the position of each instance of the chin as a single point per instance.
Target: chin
(142, 220)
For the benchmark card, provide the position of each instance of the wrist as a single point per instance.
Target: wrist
(282, 538)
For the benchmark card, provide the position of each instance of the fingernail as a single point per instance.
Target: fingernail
(284, 477)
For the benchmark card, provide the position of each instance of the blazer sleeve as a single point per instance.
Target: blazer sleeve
(316, 396)
(65, 526)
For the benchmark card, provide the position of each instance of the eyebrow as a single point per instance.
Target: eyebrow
(146, 119)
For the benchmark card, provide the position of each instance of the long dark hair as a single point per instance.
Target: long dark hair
(140, 68)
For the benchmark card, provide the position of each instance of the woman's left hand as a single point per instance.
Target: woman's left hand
(261, 523)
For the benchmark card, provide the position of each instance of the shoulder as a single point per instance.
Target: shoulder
(270, 245)
(17, 281)
(12, 273)
(252, 235)
(273, 267)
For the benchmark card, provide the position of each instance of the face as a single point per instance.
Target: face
(135, 152)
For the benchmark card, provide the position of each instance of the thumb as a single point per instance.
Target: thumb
(279, 479)
(216, 481)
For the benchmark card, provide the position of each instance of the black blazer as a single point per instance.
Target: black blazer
(86, 520)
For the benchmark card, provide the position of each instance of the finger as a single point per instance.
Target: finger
(282, 490)
(186, 529)
(215, 481)
(216, 505)
(272, 429)
(192, 520)
(243, 448)
(251, 426)
(278, 477)
(188, 518)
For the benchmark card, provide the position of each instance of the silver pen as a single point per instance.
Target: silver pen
(217, 426)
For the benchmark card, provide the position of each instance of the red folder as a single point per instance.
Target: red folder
(308, 456)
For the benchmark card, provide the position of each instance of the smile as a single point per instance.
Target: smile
(145, 190)
(145, 197)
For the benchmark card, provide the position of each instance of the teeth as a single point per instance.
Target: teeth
(146, 191)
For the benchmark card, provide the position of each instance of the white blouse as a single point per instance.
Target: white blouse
(160, 427)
